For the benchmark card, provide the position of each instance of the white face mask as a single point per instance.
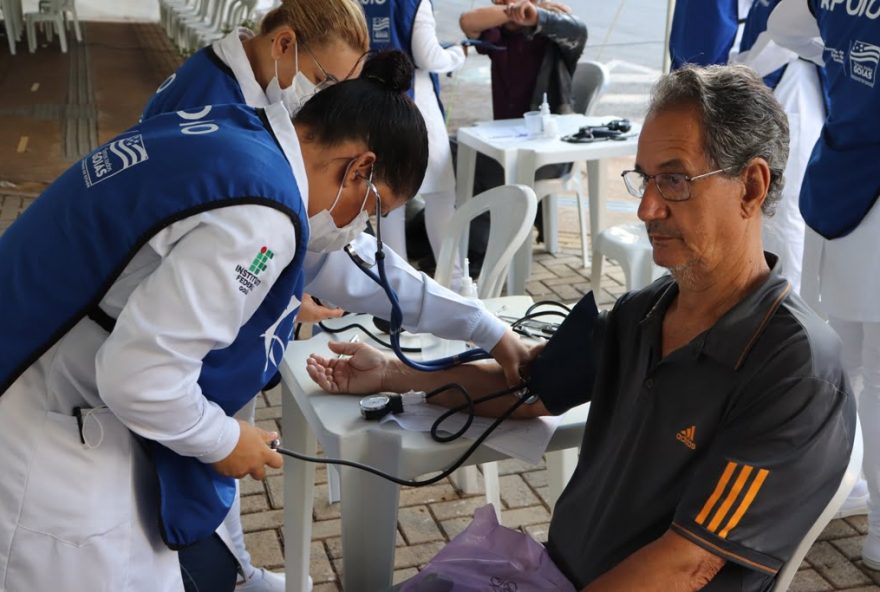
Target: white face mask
(295, 95)
(325, 236)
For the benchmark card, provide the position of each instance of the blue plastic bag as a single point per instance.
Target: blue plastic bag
(488, 557)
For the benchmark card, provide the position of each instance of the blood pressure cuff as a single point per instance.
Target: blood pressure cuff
(563, 374)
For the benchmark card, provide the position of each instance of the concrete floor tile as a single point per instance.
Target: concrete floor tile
(525, 516)
(322, 508)
(250, 486)
(515, 493)
(275, 487)
(416, 555)
(538, 532)
(254, 503)
(851, 547)
(418, 526)
(265, 548)
(510, 466)
(320, 567)
(324, 529)
(262, 520)
(463, 508)
(834, 567)
(809, 581)
(837, 529)
(440, 492)
(402, 575)
(453, 527)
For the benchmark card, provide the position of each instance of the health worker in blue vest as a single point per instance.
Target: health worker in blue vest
(149, 292)
(409, 25)
(839, 200)
(797, 86)
(705, 31)
(290, 60)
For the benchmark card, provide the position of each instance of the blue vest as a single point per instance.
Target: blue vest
(842, 181)
(391, 23)
(756, 23)
(703, 32)
(203, 79)
(70, 245)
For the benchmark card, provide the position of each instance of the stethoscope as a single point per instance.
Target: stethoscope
(396, 320)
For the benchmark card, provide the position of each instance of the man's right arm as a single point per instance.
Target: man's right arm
(474, 22)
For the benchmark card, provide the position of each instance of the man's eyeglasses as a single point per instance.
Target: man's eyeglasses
(672, 186)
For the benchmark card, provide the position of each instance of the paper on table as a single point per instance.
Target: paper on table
(525, 439)
(502, 133)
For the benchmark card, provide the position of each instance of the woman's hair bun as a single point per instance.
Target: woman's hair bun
(390, 68)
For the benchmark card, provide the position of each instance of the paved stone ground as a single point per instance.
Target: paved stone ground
(119, 83)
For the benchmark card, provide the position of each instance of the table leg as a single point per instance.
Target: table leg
(597, 190)
(465, 169)
(299, 491)
(369, 513)
(550, 212)
(522, 174)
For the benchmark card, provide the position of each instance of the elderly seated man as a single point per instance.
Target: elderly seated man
(721, 422)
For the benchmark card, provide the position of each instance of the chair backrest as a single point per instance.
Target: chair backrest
(589, 82)
(512, 210)
(850, 478)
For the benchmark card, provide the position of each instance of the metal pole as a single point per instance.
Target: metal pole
(667, 59)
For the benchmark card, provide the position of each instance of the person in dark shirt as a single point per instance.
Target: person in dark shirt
(720, 422)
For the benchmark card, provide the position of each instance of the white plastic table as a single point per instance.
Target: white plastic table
(520, 157)
(369, 503)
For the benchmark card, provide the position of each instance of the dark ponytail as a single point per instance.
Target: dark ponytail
(375, 109)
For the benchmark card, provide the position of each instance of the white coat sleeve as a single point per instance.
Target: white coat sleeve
(793, 26)
(427, 306)
(427, 51)
(765, 56)
(147, 369)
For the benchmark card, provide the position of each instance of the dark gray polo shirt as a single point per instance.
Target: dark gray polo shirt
(736, 441)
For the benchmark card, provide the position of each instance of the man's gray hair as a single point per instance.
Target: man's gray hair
(741, 119)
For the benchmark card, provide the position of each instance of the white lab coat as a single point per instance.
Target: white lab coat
(800, 93)
(429, 57)
(427, 306)
(83, 518)
(845, 271)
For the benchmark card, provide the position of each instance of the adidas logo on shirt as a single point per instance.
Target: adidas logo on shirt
(688, 437)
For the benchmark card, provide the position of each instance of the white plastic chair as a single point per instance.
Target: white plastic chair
(589, 83)
(68, 11)
(850, 478)
(51, 15)
(629, 246)
(512, 211)
(12, 22)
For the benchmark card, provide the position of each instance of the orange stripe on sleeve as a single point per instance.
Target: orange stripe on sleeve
(747, 501)
(719, 489)
(731, 497)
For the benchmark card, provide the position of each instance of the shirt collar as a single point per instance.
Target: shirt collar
(231, 51)
(733, 336)
(285, 133)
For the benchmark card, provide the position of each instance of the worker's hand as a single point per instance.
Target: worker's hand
(362, 372)
(513, 355)
(522, 13)
(312, 312)
(251, 455)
